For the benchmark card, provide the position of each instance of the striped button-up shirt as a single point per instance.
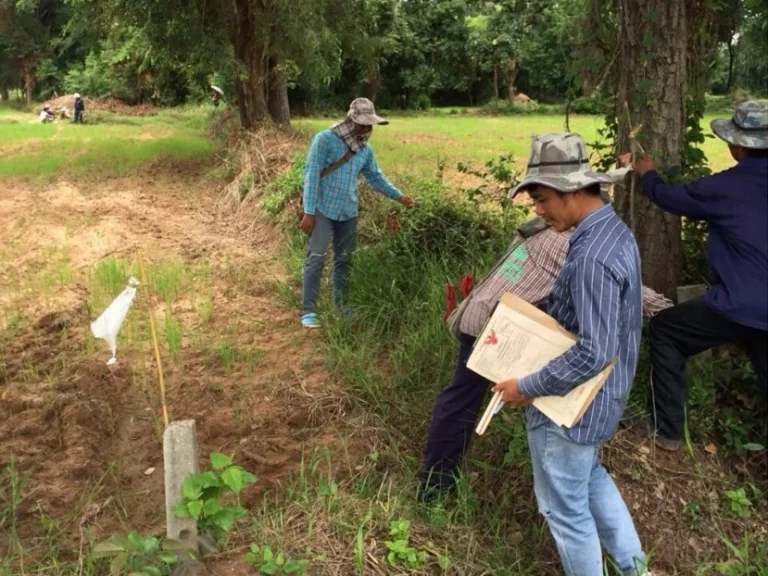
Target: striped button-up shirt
(335, 194)
(528, 272)
(597, 296)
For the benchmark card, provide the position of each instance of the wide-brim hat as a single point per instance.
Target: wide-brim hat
(76, 95)
(747, 128)
(560, 161)
(361, 111)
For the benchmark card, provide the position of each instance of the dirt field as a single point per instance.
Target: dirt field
(81, 433)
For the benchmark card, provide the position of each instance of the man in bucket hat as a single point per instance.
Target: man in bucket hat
(528, 270)
(336, 159)
(597, 296)
(735, 308)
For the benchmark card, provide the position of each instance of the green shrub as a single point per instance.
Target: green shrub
(423, 102)
(506, 108)
(584, 105)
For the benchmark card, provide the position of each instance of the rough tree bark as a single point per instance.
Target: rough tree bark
(372, 85)
(29, 80)
(251, 52)
(277, 95)
(731, 57)
(511, 69)
(653, 84)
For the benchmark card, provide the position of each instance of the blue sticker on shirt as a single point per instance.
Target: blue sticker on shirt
(512, 269)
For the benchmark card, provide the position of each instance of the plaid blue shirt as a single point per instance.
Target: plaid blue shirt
(597, 296)
(335, 195)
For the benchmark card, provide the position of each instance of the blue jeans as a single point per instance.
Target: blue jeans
(343, 233)
(582, 505)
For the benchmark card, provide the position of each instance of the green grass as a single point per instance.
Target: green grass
(414, 146)
(109, 145)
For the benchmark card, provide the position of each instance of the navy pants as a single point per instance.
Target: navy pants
(454, 417)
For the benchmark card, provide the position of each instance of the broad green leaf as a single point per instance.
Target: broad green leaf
(211, 507)
(152, 571)
(444, 562)
(107, 548)
(180, 510)
(280, 559)
(208, 479)
(269, 567)
(294, 566)
(248, 478)
(118, 564)
(149, 545)
(753, 447)
(220, 461)
(135, 540)
(195, 509)
(169, 557)
(233, 477)
(191, 490)
(224, 519)
(268, 554)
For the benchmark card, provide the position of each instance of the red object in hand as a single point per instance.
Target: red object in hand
(466, 284)
(392, 222)
(492, 338)
(450, 300)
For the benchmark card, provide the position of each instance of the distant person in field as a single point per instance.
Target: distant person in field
(79, 109)
(734, 203)
(46, 115)
(528, 270)
(216, 95)
(337, 157)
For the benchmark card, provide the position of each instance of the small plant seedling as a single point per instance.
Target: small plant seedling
(693, 511)
(267, 562)
(738, 502)
(400, 550)
(202, 496)
(138, 555)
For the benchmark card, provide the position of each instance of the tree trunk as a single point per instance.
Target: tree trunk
(28, 77)
(731, 56)
(251, 51)
(277, 95)
(495, 82)
(511, 69)
(372, 85)
(653, 84)
(4, 94)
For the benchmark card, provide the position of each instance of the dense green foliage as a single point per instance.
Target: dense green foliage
(403, 54)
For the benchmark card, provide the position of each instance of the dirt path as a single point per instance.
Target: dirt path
(81, 432)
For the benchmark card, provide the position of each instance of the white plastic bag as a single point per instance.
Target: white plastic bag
(108, 324)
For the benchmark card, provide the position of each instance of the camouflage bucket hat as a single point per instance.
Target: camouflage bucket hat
(560, 161)
(748, 128)
(361, 111)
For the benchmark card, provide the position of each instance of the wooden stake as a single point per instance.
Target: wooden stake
(145, 285)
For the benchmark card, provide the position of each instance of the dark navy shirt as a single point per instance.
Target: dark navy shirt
(735, 204)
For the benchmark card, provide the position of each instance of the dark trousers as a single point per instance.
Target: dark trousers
(454, 417)
(683, 331)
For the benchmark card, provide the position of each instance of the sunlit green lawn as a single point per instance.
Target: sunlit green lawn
(413, 146)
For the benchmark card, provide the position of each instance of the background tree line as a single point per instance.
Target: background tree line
(274, 56)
